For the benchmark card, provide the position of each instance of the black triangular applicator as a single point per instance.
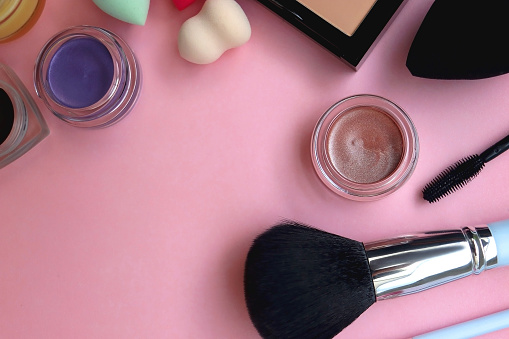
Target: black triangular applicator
(462, 39)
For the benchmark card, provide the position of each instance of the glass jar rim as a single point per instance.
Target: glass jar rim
(7, 9)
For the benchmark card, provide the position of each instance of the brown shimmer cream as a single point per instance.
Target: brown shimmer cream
(345, 15)
(364, 144)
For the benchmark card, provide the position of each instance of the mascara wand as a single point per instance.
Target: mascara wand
(462, 172)
(301, 282)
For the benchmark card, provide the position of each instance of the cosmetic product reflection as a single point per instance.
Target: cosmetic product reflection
(364, 147)
(88, 77)
(17, 17)
(302, 282)
(348, 29)
(21, 123)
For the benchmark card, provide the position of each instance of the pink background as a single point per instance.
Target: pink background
(141, 230)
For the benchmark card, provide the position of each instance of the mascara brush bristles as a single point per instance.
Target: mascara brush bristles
(453, 178)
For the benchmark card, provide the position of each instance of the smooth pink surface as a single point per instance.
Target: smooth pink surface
(140, 230)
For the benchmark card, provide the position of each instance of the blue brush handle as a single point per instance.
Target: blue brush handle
(500, 232)
(472, 328)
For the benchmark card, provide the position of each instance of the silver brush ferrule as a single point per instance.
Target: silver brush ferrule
(410, 264)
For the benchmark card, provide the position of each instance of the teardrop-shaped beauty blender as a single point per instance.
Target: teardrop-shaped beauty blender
(461, 39)
(130, 11)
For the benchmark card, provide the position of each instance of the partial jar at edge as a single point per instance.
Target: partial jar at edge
(22, 125)
(17, 17)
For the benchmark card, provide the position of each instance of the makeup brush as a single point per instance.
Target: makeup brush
(301, 282)
(472, 328)
(462, 172)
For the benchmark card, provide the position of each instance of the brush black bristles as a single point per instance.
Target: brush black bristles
(453, 178)
(301, 282)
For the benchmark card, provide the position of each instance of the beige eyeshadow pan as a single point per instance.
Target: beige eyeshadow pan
(345, 15)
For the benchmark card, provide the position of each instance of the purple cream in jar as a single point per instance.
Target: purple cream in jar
(80, 72)
(88, 77)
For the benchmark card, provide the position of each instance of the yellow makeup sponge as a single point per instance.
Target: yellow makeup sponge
(220, 25)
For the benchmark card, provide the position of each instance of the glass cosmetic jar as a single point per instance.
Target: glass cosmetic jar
(364, 147)
(87, 76)
(21, 123)
(17, 17)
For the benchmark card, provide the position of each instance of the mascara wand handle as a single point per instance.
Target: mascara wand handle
(495, 150)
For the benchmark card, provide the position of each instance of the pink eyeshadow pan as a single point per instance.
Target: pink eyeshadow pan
(364, 144)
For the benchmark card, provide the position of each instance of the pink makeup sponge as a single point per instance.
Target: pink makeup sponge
(181, 4)
(219, 26)
(130, 11)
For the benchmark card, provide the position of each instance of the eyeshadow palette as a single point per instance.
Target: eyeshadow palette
(348, 29)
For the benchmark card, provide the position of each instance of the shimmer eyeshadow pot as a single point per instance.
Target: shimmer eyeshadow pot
(88, 77)
(21, 123)
(364, 147)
